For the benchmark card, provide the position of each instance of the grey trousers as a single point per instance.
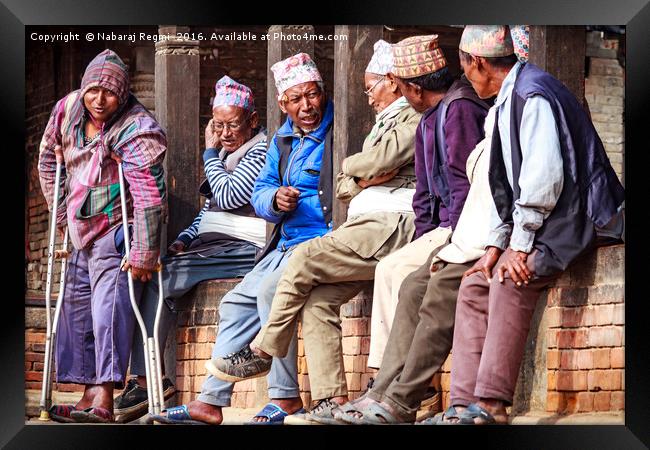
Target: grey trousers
(421, 337)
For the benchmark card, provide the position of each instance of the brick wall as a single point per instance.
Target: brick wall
(605, 95)
(586, 336)
(195, 336)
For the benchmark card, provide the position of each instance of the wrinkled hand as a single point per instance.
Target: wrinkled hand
(138, 273)
(514, 262)
(381, 179)
(486, 263)
(286, 198)
(176, 247)
(212, 139)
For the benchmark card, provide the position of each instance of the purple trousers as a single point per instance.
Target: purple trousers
(96, 325)
(492, 323)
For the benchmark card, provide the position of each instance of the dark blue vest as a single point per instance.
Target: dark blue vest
(591, 193)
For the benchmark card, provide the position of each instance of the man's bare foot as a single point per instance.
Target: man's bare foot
(495, 407)
(204, 412)
(290, 405)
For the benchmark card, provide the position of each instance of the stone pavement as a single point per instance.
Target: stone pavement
(239, 416)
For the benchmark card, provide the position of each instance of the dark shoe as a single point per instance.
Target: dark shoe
(239, 366)
(133, 402)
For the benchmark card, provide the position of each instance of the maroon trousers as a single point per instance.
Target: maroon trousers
(492, 323)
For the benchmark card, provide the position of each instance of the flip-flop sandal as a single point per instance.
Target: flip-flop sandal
(341, 413)
(438, 419)
(61, 413)
(274, 414)
(474, 411)
(373, 414)
(92, 415)
(178, 415)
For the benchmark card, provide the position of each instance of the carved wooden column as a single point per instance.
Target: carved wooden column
(177, 111)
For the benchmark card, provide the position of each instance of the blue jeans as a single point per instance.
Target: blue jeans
(180, 274)
(242, 312)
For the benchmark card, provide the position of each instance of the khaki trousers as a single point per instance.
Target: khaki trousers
(321, 275)
(389, 275)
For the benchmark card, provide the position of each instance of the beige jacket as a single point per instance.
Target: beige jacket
(384, 232)
(395, 149)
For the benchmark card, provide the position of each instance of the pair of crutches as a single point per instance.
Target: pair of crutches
(151, 345)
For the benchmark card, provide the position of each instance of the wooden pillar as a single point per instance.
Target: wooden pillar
(281, 45)
(353, 117)
(560, 50)
(177, 111)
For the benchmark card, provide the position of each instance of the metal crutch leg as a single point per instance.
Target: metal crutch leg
(50, 334)
(151, 345)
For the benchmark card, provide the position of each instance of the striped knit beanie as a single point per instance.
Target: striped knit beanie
(107, 70)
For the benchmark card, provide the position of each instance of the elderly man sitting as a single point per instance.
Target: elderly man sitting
(225, 236)
(325, 272)
(293, 191)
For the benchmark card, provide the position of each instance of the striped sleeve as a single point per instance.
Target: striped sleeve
(191, 232)
(142, 149)
(232, 190)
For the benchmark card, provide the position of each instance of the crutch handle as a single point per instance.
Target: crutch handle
(58, 153)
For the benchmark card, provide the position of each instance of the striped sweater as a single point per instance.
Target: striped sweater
(231, 190)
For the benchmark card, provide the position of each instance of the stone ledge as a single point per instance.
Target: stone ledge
(543, 418)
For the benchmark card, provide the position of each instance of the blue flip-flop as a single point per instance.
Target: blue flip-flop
(178, 415)
(274, 413)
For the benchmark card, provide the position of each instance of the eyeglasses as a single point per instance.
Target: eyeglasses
(232, 126)
(374, 85)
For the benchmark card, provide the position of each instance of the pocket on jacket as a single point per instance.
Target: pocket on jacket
(99, 200)
(376, 228)
(312, 172)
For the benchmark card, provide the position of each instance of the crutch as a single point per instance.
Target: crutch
(51, 327)
(153, 366)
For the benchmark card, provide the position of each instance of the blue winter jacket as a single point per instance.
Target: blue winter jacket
(307, 221)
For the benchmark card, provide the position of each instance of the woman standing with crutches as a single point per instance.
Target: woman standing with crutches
(96, 325)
